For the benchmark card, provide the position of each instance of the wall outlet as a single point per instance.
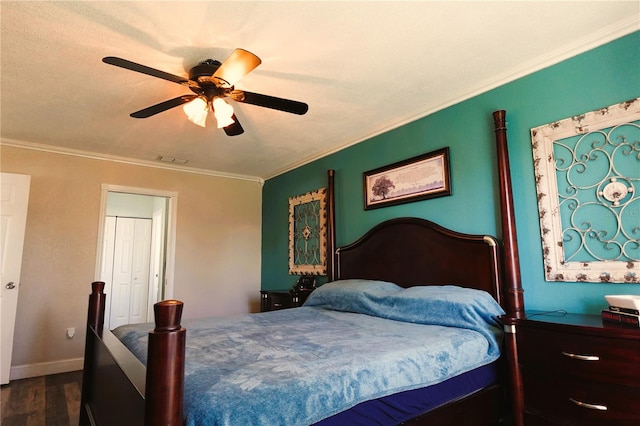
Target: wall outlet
(71, 331)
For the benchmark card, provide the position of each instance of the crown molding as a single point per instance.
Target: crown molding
(125, 160)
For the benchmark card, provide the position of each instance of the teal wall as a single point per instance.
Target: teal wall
(603, 76)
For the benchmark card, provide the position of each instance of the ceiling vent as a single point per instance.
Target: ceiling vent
(173, 160)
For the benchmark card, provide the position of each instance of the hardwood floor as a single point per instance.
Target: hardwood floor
(48, 400)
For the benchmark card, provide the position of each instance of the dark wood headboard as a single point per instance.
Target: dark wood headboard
(411, 251)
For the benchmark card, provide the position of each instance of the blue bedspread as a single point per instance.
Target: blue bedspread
(352, 341)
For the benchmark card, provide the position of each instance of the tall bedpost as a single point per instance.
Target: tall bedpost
(165, 366)
(515, 301)
(95, 323)
(331, 226)
(97, 299)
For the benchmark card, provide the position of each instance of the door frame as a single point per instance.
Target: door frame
(157, 252)
(172, 209)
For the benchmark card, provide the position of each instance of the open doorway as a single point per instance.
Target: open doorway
(136, 248)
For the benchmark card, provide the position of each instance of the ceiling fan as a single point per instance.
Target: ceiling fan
(211, 82)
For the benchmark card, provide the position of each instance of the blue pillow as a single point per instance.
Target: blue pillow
(445, 305)
(349, 295)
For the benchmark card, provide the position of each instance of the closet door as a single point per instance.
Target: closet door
(140, 263)
(130, 272)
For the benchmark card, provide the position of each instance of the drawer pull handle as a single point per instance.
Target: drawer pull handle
(589, 406)
(582, 357)
(277, 305)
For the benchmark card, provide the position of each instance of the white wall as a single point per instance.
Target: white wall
(217, 260)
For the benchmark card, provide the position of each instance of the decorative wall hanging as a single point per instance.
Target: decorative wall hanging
(587, 171)
(417, 178)
(308, 233)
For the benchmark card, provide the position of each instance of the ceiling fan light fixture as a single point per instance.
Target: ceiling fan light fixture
(211, 81)
(197, 111)
(223, 112)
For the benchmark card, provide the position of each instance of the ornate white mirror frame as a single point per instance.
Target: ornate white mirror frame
(587, 171)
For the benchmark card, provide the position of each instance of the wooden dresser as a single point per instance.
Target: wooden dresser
(272, 300)
(576, 370)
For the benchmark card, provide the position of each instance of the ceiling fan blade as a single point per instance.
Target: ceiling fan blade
(272, 102)
(123, 63)
(234, 129)
(240, 63)
(163, 106)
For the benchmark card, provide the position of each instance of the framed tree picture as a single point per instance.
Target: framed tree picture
(414, 179)
(308, 233)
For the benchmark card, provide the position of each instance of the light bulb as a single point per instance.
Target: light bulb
(223, 112)
(197, 110)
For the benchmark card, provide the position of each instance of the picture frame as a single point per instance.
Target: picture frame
(418, 178)
(308, 233)
(587, 176)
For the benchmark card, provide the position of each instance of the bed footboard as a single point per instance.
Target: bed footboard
(117, 389)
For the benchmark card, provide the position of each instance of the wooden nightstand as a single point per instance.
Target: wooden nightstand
(577, 371)
(272, 300)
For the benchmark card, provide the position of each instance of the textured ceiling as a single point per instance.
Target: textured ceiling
(363, 68)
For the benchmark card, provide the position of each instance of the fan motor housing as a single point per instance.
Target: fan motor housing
(204, 69)
(201, 74)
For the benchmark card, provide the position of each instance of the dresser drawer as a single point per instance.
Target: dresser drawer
(277, 301)
(596, 358)
(580, 402)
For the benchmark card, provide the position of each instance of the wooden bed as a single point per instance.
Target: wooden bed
(117, 389)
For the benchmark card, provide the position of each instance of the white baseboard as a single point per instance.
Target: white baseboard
(46, 368)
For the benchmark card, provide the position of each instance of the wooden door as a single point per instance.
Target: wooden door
(14, 194)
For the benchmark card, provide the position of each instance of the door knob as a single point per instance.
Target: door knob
(11, 285)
